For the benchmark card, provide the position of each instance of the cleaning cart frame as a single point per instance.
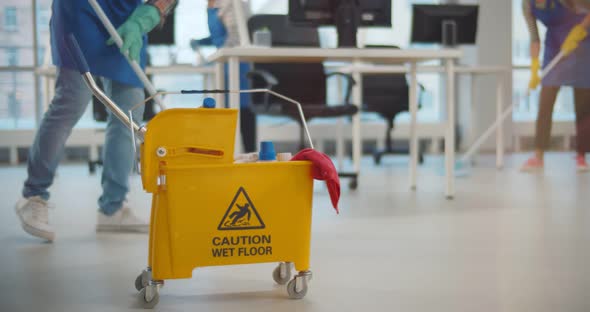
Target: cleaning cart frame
(208, 210)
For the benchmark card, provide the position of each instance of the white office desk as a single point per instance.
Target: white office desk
(500, 72)
(233, 56)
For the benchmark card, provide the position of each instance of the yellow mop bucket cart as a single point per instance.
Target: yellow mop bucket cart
(208, 210)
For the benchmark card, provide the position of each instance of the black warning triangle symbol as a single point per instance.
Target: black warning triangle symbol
(241, 214)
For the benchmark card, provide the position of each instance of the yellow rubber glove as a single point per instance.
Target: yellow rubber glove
(576, 35)
(535, 79)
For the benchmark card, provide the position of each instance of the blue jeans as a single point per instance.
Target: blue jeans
(244, 83)
(67, 106)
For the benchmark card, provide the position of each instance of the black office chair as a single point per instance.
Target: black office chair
(304, 82)
(387, 95)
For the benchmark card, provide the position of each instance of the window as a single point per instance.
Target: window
(17, 101)
(12, 56)
(17, 87)
(43, 18)
(10, 19)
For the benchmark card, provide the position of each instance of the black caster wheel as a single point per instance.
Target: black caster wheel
(353, 184)
(91, 167)
(377, 159)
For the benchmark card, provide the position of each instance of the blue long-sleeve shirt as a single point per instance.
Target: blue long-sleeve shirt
(78, 18)
(217, 31)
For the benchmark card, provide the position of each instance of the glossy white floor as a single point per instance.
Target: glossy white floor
(508, 242)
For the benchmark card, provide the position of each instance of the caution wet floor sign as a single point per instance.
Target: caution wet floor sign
(241, 214)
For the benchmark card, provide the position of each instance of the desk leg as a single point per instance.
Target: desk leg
(13, 155)
(356, 122)
(473, 128)
(413, 132)
(339, 127)
(450, 131)
(234, 98)
(340, 143)
(47, 95)
(52, 90)
(208, 81)
(500, 131)
(219, 84)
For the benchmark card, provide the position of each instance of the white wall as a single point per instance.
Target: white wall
(494, 47)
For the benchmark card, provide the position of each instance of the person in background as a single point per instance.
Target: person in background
(567, 23)
(223, 30)
(134, 20)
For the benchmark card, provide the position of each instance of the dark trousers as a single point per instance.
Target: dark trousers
(248, 128)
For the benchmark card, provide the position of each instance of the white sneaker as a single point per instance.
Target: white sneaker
(33, 213)
(124, 220)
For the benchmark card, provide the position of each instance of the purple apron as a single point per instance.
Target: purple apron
(573, 70)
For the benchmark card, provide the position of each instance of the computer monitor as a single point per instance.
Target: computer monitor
(449, 24)
(346, 15)
(163, 35)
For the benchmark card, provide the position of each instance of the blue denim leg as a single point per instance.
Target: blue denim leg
(67, 106)
(118, 149)
(244, 83)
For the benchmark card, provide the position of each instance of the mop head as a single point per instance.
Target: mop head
(462, 169)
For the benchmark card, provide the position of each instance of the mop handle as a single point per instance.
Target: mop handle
(552, 64)
(482, 138)
(545, 71)
(507, 112)
(119, 42)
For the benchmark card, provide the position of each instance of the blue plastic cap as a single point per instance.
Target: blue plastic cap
(209, 102)
(267, 151)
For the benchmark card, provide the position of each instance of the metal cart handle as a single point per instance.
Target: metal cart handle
(224, 91)
(288, 99)
(77, 56)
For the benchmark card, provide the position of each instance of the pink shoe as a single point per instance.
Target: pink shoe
(581, 163)
(532, 164)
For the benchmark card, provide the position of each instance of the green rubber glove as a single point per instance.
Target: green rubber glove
(141, 21)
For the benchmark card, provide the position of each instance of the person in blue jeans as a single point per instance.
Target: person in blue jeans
(223, 32)
(134, 20)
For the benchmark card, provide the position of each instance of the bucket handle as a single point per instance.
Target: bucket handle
(288, 99)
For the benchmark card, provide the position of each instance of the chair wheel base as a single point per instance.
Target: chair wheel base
(353, 184)
(378, 155)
